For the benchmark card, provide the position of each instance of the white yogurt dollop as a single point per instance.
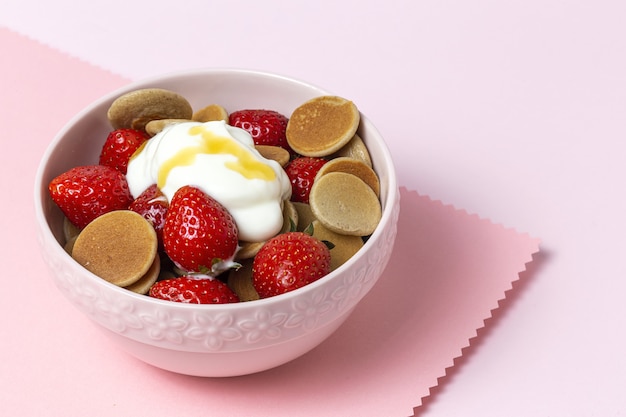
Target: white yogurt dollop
(220, 160)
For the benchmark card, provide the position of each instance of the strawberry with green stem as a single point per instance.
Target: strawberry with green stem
(199, 234)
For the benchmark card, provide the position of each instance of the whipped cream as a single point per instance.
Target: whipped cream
(220, 160)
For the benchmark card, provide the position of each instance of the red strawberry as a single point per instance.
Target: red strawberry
(193, 291)
(199, 234)
(152, 205)
(86, 192)
(301, 172)
(289, 261)
(119, 146)
(267, 127)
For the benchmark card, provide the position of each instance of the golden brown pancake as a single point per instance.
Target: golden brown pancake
(142, 286)
(210, 113)
(240, 281)
(305, 215)
(275, 153)
(119, 247)
(136, 108)
(344, 246)
(354, 167)
(355, 149)
(155, 126)
(322, 126)
(345, 204)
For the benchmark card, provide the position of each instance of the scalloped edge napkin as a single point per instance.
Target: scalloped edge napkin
(448, 272)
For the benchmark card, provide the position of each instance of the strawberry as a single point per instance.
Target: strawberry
(289, 261)
(193, 291)
(267, 127)
(301, 172)
(152, 205)
(199, 234)
(119, 146)
(86, 192)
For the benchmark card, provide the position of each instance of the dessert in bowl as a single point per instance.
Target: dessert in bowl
(212, 340)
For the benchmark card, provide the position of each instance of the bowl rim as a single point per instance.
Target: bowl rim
(39, 186)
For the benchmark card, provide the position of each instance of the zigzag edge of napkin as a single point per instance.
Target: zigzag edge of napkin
(495, 314)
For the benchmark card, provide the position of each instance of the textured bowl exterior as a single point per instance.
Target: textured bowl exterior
(212, 340)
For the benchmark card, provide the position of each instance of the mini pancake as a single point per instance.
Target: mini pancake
(275, 153)
(69, 245)
(354, 167)
(290, 217)
(322, 126)
(248, 250)
(210, 113)
(142, 286)
(305, 215)
(240, 281)
(355, 149)
(155, 126)
(119, 247)
(345, 246)
(136, 108)
(345, 204)
(69, 230)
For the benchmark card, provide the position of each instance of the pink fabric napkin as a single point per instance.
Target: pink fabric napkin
(449, 271)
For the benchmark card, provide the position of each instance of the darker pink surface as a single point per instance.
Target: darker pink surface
(448, 271)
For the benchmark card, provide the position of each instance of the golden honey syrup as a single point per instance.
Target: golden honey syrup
(245, 163)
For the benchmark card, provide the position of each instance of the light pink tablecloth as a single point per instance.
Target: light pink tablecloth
(449, 271)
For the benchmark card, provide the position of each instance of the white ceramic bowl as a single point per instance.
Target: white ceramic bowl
(212, 340)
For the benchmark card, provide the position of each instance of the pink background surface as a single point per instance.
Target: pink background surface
(513, 110)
